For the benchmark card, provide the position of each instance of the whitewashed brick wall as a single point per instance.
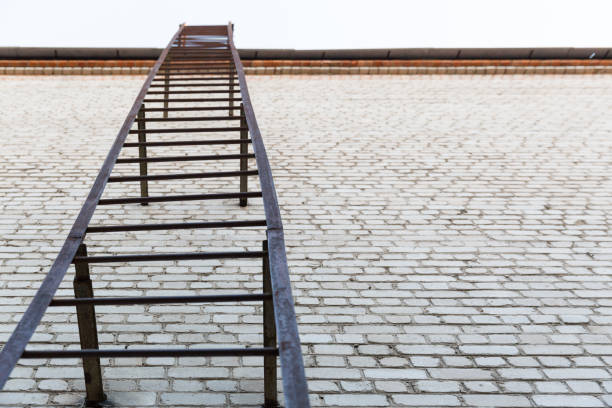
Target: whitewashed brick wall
(448, 237)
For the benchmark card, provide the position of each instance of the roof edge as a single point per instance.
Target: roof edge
(77, 53)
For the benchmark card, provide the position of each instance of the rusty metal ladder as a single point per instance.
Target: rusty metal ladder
(204, 60)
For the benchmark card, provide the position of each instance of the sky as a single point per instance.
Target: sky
(312, 24)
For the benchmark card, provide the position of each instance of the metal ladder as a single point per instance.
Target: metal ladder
(204, 60)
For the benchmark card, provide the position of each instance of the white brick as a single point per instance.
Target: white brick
(493, 400)
(187, 398)
(355, 400)
(132, 398)
(424, 400)
(133, 372)
(574, 401)
(577, 373)
(22, 399)
(438, 386)
(489, 350)
(460, 374)
(394, 373)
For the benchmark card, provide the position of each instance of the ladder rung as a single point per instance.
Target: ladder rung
(193, 79)
(171, 226)
(202, 67)
(188, 143)
(222, 40)
(167, 257)
(188, 197)
(216, 61)
(159, 300)
(218, 44)
(189, 56)
(193, 56)
(198, 44)
(207, 52)
(192, 109)
(216, 47)
(186, 158)
(190, 71)
(211, 91)
(205, 38)
(169, 352)
(194, 64)
(194, 100)
(197, 61)
(236, 85)
(123, 179)
(176, 73)
(210, 51)
(189, 130)
(213, 46)
(193, 118)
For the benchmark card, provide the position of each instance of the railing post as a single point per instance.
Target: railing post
(244, 161)
(269, 334)
(142, 153)
(166, 90)
(88, 332)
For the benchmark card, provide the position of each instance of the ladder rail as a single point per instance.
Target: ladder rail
(15, 346)
(295, 387)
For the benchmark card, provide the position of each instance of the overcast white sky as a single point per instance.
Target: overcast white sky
(311, 24)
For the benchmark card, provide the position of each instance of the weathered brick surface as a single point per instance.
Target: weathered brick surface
(448, 239)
